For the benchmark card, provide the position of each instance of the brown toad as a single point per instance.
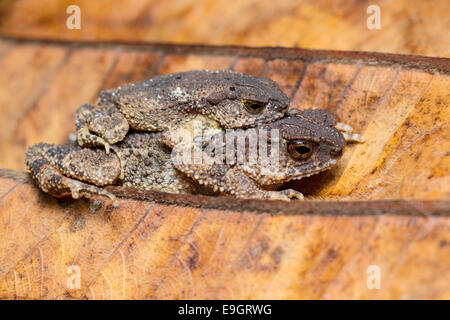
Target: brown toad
(254, 162)
(298, 145)
(232, 99)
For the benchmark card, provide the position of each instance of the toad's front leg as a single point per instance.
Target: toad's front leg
(100, 126)
(349, 135)
(222, 178)
(59, 169)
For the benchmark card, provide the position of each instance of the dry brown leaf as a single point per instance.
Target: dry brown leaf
(168, 246)
(406, 26)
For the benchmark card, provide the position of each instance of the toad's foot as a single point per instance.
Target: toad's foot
(58, 185)
(349, 136)
(87, 139)
(286, 195)
(80, 189)
(121, 160)
(100, 126)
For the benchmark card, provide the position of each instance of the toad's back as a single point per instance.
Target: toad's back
(179, 95)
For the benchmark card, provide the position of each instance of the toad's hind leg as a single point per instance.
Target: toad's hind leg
(41, 159)
(100, 126)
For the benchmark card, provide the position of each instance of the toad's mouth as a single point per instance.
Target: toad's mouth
(296, 174)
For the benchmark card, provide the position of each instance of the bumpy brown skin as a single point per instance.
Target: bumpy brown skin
(58, 169)
(143, 161)
(163, 102)
(147, 165)
(242, 178)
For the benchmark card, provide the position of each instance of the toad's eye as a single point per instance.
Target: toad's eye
(300, 149)
(254, 107)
